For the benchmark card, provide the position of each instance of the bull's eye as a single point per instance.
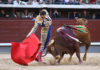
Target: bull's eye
(52, 48)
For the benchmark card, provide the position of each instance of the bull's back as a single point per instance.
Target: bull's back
(83, 36)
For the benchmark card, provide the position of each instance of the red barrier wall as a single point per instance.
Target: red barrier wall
(17, 29)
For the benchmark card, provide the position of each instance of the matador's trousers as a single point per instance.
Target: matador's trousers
(45, 36)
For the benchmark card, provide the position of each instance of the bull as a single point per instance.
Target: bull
(68, 40)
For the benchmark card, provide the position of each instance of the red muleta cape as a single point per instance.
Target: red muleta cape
(26, 51)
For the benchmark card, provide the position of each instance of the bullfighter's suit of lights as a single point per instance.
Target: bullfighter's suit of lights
(45, 29)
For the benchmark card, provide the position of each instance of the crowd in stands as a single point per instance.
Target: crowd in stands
(77, 14)
(17, 13)
(56, 13)
(35, 2)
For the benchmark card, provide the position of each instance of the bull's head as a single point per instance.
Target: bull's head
(51, 48)
(82, 21)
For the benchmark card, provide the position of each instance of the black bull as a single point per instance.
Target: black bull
(66, 43)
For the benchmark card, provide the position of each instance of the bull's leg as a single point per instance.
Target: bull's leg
(70, 58)
(86, 50)
(61, 56)
(78, 52)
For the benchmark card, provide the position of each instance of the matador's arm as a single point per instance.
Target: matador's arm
(36, 25)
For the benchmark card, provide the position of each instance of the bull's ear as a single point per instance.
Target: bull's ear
(52, 48)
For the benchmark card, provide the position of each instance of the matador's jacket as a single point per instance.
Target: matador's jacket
(45, 28)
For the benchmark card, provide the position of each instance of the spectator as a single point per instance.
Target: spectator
(10, 14)
(56, 1)
(35, 2)
(4, 1)
(79, 15)
(71, 2)
(30, 2)
(10, 2)
(50, 1)
(80, 2)
(2, 13)
(97, 1)
(66, 1)
(61, 1)
(14, 13)
(74, 15)
(84, 1)
(85, 14)
(30, 14)
(87, 1)
(97, 15)
(76, 2)
(0, 1)
(25, 14)
(56, 14)
(94, 16)
(19, 2)
(41, 1)
(93, 1)
(18, 13)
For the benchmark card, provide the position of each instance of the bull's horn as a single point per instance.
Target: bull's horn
(45, 54)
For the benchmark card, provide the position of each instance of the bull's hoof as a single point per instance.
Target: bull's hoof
(84, 59)
(81, 62)
(57, 63)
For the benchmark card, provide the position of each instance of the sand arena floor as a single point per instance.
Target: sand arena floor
(92, 63)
